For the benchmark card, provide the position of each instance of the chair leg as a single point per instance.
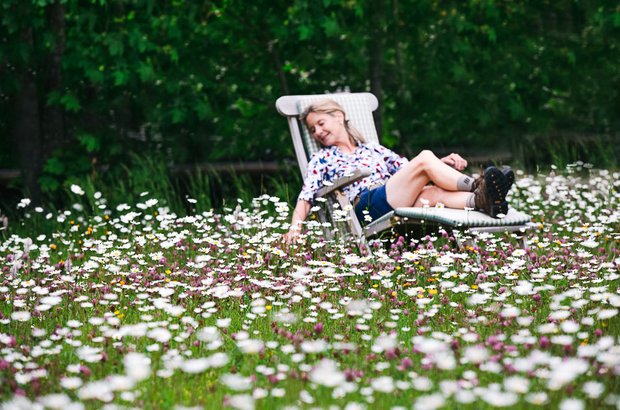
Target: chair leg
(523, 241)
(354, 225)
(363, 245)
(326, 230)
(459, 242)
(456, 243)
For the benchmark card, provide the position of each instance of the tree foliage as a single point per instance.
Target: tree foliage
(84, 83)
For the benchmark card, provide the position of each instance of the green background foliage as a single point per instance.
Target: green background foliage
(197, 81)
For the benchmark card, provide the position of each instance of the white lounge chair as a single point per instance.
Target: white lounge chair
(359, 108)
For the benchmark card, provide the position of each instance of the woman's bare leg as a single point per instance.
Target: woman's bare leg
(432, 195)
(404, 187)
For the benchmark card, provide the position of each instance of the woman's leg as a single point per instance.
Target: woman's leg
(432, 195)
(404, 187)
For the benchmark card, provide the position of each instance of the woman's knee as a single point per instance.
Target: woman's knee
(423, 159)
(430, 195)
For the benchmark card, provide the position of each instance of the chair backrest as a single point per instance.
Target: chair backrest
(358, 108)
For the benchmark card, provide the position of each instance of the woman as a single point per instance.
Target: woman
(394, 181)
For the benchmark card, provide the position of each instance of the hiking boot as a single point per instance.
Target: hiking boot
(508, 173)
(490, 193)
(510, 178)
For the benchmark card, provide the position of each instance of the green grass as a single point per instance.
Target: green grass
(144, 279)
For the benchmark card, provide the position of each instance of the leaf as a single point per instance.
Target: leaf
(331, 27)
(48, 183)
(54, 166)
(178, 115)
(247, 108)
(115, 47)
(146, 72)
(54, 97)
(390, 139)
(142, 45)
(90, 142)
(115, 149)
(120, 77)
(492, 35)
(203, 109)
(516, 109)
(80, 165)
(305, 32)
(171, 52)
(484, 117)
(459, 72)
(70, 102)
(174, 56)
(95, 75)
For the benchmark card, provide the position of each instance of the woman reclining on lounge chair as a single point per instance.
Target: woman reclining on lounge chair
(394, 181)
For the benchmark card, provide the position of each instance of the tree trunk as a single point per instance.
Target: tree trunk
(375, 46)
(52, 119)
(272, 46)
(397, 40)
(26, 131)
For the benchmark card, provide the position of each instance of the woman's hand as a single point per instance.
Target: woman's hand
(455, 161)
(299, 215)
(292, 235)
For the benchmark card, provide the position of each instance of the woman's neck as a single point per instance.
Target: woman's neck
(348, 147)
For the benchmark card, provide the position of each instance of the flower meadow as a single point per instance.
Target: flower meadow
(134, 306)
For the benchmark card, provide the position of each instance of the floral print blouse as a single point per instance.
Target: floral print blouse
(331, 163)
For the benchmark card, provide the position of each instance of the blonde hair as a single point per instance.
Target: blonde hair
(329, 106)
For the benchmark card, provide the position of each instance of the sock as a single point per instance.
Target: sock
(471, 201)
(465, 183)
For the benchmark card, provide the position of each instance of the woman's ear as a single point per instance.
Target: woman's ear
(339, 116)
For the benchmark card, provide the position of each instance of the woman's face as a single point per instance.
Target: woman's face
(327, 129)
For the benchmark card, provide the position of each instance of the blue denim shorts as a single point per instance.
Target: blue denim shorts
(375, 201)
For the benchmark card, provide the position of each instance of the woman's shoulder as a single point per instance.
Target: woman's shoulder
(374, 146)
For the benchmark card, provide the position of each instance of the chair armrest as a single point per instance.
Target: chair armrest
(342, 182)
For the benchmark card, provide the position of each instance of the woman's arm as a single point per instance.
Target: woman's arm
(315, 174)
(455, 161)
(299, 215)
(393, 161)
